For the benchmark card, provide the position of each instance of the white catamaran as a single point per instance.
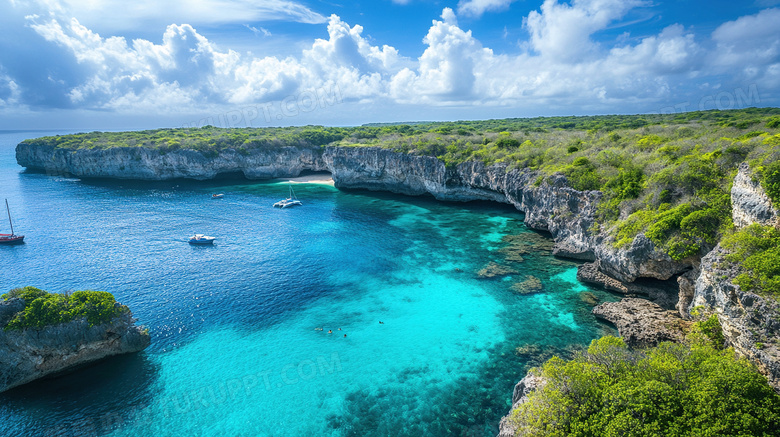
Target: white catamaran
(290, 201)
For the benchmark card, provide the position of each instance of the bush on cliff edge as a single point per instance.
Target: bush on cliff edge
(670, 390)
(43, 309)
(756, 250)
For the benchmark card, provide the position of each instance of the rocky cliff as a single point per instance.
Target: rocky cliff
(749, 201)
(751, 323)
(548, 203)
(153, 165)
(30, 354)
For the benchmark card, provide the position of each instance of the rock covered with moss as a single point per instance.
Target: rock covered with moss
(84, 331)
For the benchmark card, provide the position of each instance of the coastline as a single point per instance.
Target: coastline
(318, 178)
(549, 204)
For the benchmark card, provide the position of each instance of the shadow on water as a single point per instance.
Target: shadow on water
(90, 401)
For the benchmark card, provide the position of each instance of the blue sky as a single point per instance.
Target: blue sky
(110, 64)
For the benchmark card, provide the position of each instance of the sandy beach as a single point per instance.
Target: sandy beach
(319, 178)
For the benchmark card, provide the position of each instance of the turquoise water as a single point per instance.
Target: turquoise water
(235, 345)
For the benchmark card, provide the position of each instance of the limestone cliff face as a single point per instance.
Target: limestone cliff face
(749, 201)
(751, 323)
(549, 205)
(565, 213)
(31, 354)
(144, 164)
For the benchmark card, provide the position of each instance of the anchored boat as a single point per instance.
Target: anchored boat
(290, 201)
(10, 238)
(201, 239)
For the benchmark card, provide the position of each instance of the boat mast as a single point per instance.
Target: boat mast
(9, 216)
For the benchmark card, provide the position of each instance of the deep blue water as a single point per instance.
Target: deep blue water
(234, 345)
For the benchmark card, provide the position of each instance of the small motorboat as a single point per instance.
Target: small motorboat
(201, 239)
(217, 196)
(290, 201)
(10, 238)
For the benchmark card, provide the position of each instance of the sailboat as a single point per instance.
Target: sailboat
(290, 201)
(10, 238)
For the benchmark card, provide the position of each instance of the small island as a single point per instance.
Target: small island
(49, 333)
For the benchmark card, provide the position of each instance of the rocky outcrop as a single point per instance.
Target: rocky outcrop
(642, 323)
(30, 354)
(641, 259)
(140, 163)
(520, 394)
(751, 323)
(686, 286)
(749, 201)
(663, 293)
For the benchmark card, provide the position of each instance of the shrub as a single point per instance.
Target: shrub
(756, 251)
(46, 309)
(710, 328)
(770, 180)
(669, 390)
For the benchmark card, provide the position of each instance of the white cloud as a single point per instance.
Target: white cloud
(476, 8)
(566, 68)
(750, 41)
(261, 31)
(9, 92)
(447, 69)
(563, 31)
(120, 15)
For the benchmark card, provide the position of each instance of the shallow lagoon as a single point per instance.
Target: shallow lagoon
(234, 348)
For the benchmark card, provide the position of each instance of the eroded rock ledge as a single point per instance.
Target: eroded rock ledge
(642, 323)
(663, 294)
(30, 354)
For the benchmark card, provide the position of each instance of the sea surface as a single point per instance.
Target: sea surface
(421, 344)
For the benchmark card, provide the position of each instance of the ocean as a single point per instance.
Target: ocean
(356, 314)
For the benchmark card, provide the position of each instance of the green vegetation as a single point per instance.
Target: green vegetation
(756, 250)
(45, 309)
(670, 390)
(668, 175)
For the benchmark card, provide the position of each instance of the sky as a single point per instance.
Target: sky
(111, 64)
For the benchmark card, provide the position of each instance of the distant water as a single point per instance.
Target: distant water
(234, 346)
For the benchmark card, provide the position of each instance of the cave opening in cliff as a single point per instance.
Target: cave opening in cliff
(230, 175)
